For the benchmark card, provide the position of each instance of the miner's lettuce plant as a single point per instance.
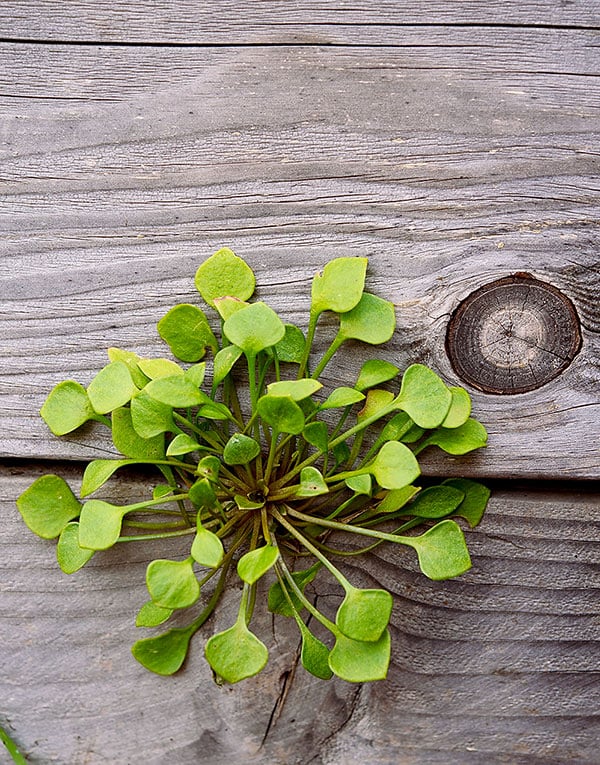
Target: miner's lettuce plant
(263, 472)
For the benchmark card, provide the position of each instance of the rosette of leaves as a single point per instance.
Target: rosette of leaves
(259, 469)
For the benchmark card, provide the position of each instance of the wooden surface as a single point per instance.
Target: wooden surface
(453, 145)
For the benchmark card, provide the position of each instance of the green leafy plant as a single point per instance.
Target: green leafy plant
(259, 469)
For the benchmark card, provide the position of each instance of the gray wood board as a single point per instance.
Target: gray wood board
(499, 666)
(123, 168)
(227, 22)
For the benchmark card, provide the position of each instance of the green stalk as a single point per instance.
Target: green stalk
(313, 318)
(12, 748)
(302, 597)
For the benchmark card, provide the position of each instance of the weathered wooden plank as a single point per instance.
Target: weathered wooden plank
(288, 157)
(228, 22)
(499, 666)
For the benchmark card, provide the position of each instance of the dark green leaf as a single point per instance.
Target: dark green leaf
(476, 498)
(202, 494)
(314, 654)
(164, 654)
(436, 502)
(315, 433)
(277, 601)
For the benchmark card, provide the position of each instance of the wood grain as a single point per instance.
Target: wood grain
(498, 666)
(225, 22)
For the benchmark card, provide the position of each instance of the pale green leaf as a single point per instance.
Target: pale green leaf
(224, 274)
(70, 556)
(111, 388)
(255, 563)
(359, 661)
(172, 584)
(66, 408)
(236, 653)
(340, 286)
(48, 505)
(424, 396)
(254, 328)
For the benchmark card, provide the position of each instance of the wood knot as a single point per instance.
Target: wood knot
(513, 335)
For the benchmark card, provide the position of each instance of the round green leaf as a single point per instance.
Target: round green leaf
(207, 548)
(151, 615)
(171, 583)
(130, 443)
(281, 413)
(66, 408)
(297, 390)
(240, 450)
(236, 653)
(111, 388)
(359, 661)
(255, 563)
(471, 435)
(395, 466)
(224, 274)
(176, 391)
(372, 320)
(460, 408)
(291, 347)
(375, 372)
(150, 417)
(442, 551)
(100, 524)
(155, 368)
(340, 286)
(164, 654)
(48, 505)
(424, 396)
(341, 397)
(70, 556)
(316, 434)
(202, 494)
(254, 328)
(186, 330)
(364, 614)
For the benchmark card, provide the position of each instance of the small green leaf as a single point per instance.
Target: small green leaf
(111, 388)
(227, 306)
(360, 484)
(155, 368)
(207, 548)
(245, 503)
(277, 601)
(150, 417)
(202, 494)
(281, 413)
(340, 286)
(359, 661)
(224, 274)
(396, 499)
(297, 390)
(214, 410)
(162, 490)
(364, 614)
(171, 583)
(182, 444)
(377, 399)
(436, 502)
(209, 467)
(460, 408)
(98, 472)
(341, 397)
(151, 615)
(255, 563)
(316, 434)
(66, 408)
(314, 654)
(164, 654)
(236, 653)
(176, 391)
(372, 321)
(47, 506)
(131, 359)
(196, 373)
(312, 483)
(291, 347)
(240, 450)
(375, 372)
(130, 443)
(70, 556)
(476, 497)
(100, 524)
(460, 440)
(397, 427)
(442, 551)
(254, 328)
(186, 330)
(395, 466)
(224, 361)
(424, 396)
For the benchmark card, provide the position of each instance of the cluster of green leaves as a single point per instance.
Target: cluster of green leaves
(259, 468)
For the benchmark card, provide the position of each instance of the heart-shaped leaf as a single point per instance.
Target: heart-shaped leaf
(202, 493)
(236, 653)
(48, 505)
(254, 328)
(461, 440)
(255, 563)
(281, 413)
(164, 654)
(360, 484)
(359, 661)
(207, 548)
(100, 524)
(130, 443)
(240, 449)
(297, 390)
(460, 408)
(442, 551)
(70, 556)
(111, 388)
(66, 408)
(476, 497)
(312, 483)
(224, 274)
(364, 614)
(424, 396)
(372, 320)
(172, 583)
(341, 397)
(395, 466)
(186, 330)
(151, 615)
(375, 372)
(340, 286)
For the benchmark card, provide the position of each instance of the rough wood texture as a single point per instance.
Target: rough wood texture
(499, 666)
